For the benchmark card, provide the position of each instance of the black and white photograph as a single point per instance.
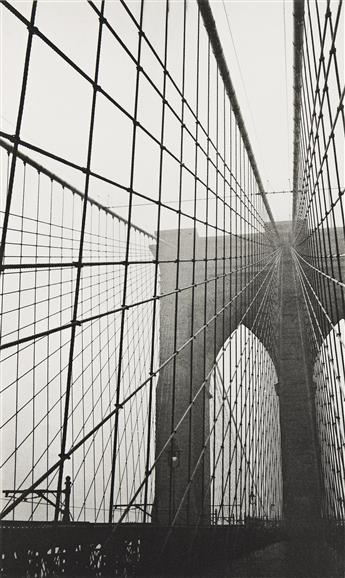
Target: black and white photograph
(172, 288)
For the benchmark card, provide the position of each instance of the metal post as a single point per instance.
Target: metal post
(66, 516)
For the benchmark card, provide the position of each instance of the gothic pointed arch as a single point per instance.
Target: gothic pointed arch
(245, 444)
(329, 382)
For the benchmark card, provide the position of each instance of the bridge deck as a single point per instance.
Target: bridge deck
(251, 550)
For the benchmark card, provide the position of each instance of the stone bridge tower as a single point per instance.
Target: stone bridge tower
(196, 265)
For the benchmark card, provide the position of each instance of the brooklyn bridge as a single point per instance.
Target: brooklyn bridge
(172, 353)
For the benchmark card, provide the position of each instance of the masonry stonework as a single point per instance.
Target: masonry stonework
(205, 286)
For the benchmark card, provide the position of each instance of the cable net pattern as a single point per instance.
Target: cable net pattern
(319, 229)
(39, 287)
(112, 322)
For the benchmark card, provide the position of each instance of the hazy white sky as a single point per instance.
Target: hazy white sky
(262, 73)
(257, 42)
